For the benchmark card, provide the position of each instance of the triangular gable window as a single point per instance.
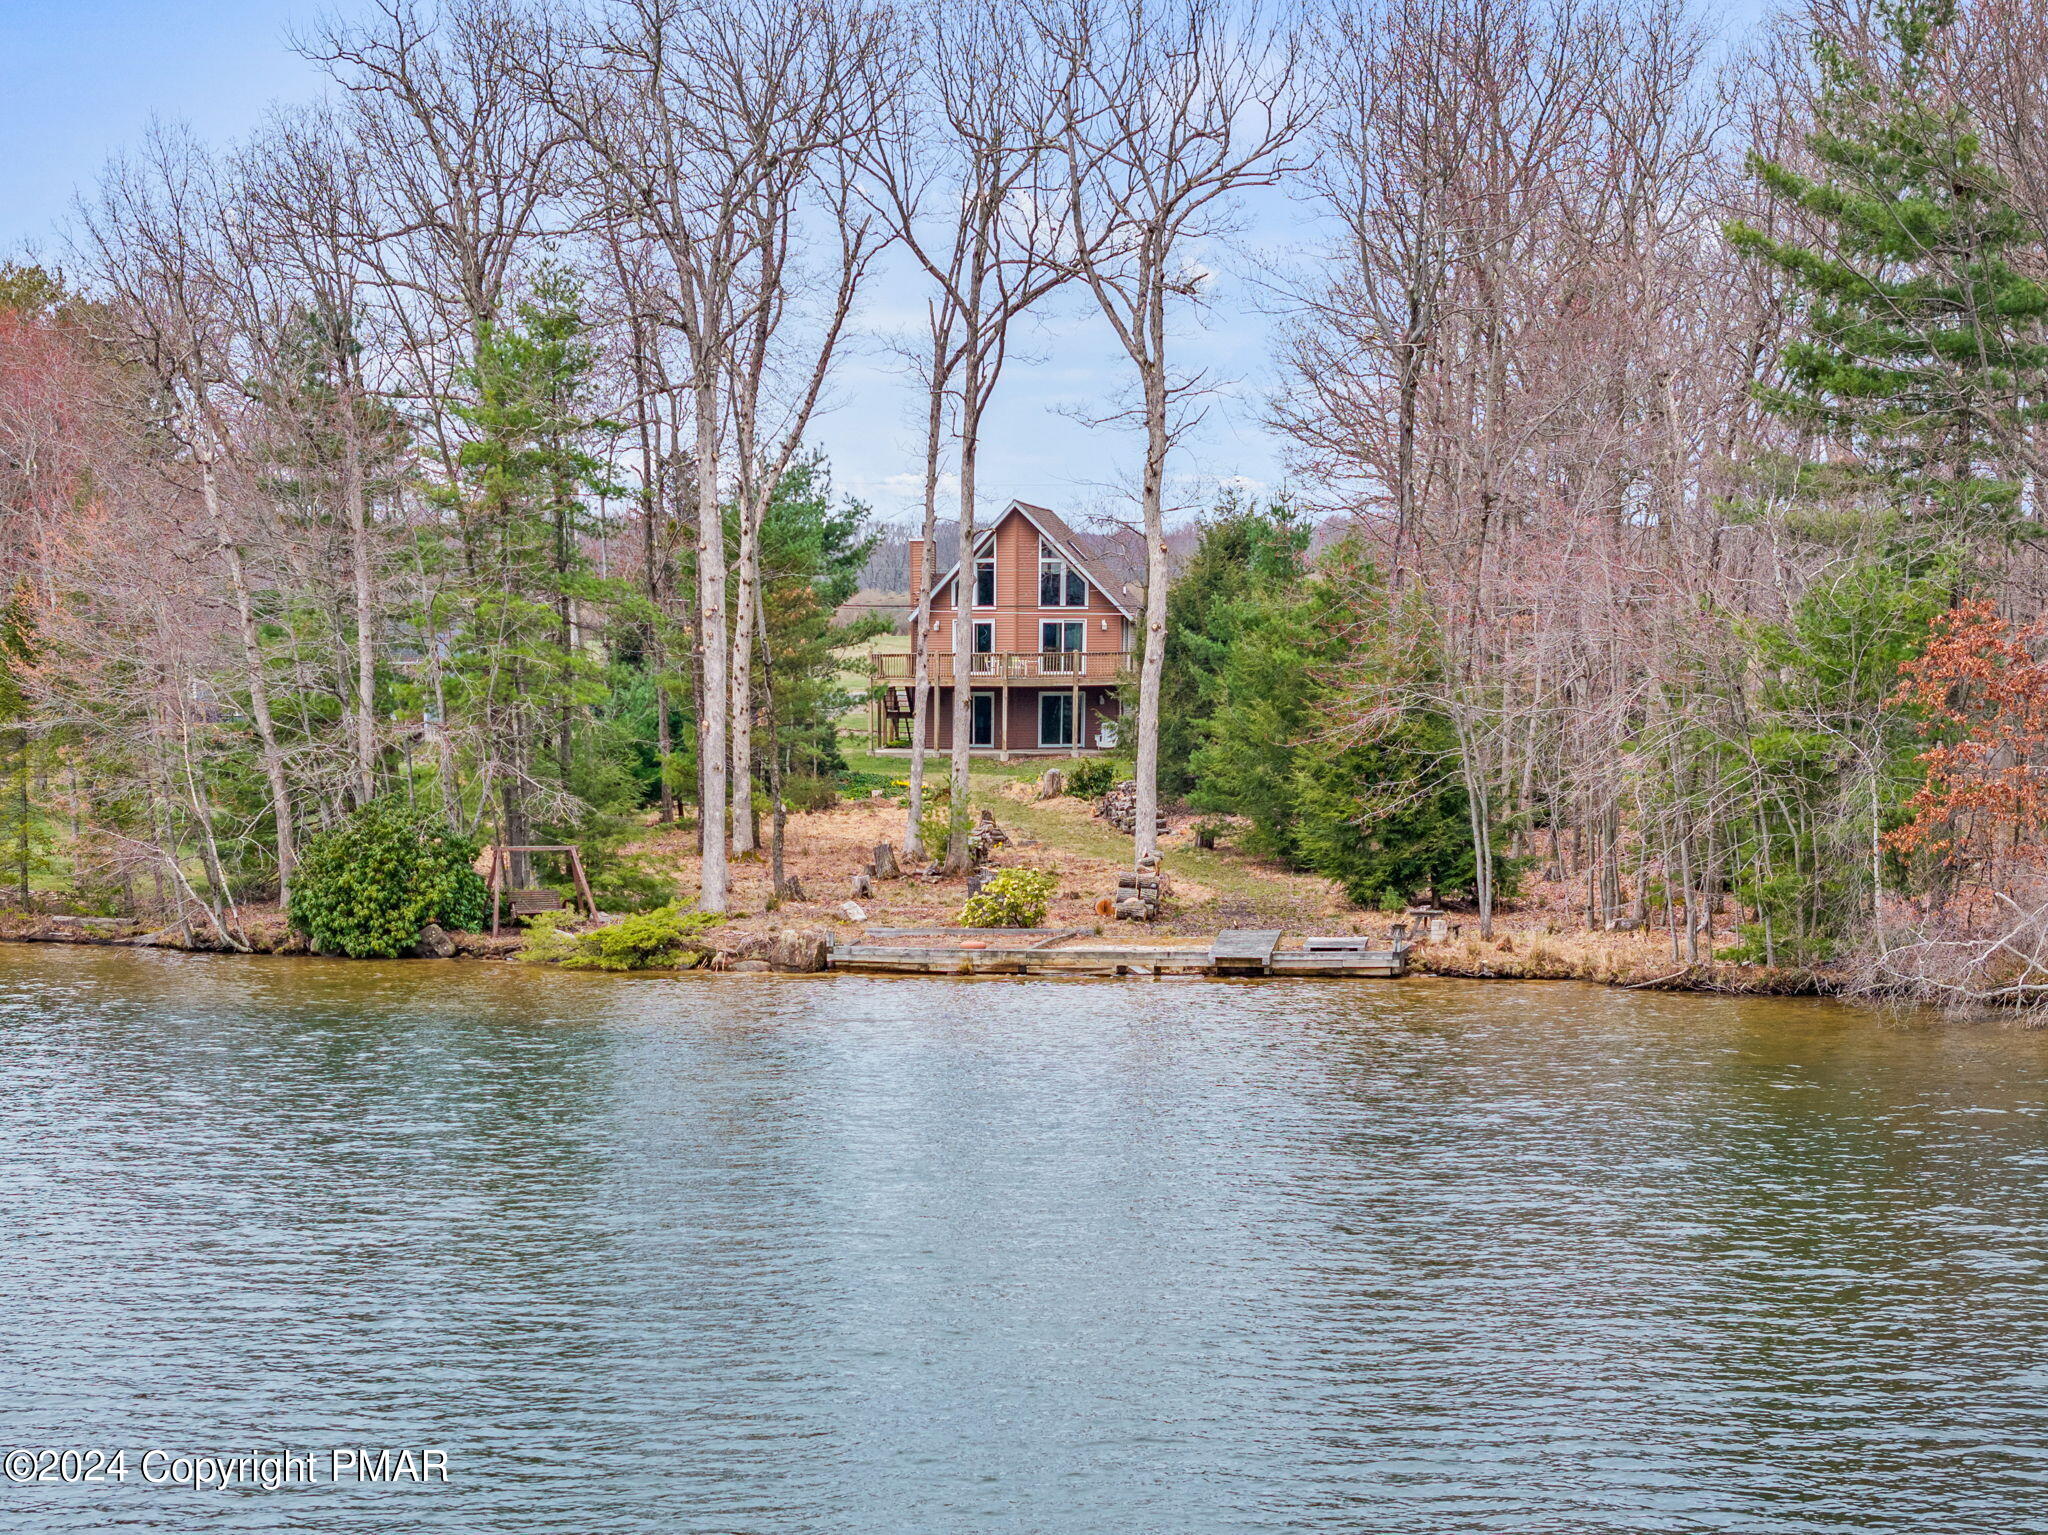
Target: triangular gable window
(1059, 584)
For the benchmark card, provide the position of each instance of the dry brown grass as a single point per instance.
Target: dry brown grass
(1529, 950)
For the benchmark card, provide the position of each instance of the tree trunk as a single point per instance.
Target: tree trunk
(259, 690)
(921, 624)
(746, 612)
(366, 617)
(712, 641)
(958, 859)
(1145, 838)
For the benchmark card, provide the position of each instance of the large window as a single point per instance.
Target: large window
(985, 576)
(1055, 719)
(1059, 584)
(981, 729)
(1059, 645)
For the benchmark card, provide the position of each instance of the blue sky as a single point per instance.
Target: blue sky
(80, 79)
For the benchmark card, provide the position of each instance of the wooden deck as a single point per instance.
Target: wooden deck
(1244, 950)
(1244, 954)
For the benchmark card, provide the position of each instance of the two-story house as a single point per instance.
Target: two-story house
(1051, 636)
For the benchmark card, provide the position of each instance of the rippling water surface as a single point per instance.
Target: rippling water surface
(770, 1256)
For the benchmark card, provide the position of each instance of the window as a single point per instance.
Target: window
(1055, 719)
(983, 659)
(1059, 646)
(1059, 584)
(985, 576)
(982, 730)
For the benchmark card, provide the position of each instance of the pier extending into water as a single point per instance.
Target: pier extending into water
(1057, 951)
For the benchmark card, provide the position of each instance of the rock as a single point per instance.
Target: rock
(434, 943)
(801, 950)
(885, 862)
(975, 882)
(852, 911)
(750, 966)
(1136, 910)
(759, 946)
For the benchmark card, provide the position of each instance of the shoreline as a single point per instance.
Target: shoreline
(1532, 961)
(1624, 969)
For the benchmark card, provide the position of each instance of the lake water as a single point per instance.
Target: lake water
(771, 1256)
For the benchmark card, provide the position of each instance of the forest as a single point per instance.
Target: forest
(1666, 415)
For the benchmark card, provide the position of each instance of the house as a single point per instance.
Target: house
(1051, 638)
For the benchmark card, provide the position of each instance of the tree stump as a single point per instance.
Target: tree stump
(1052, 785)
(986, 837)
(863, 886)
(885, 862)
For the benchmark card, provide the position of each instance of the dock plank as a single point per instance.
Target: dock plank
(1244, 948)
(1340, 962)
(1111, 960)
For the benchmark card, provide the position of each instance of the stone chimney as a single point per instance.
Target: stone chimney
(916, 569)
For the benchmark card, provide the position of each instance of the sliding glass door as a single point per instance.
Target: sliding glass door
(1055, 719)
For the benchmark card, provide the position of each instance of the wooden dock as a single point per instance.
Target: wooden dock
(1233, 953)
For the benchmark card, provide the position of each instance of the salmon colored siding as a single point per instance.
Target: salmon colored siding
(1016, 674)
(1016, 613)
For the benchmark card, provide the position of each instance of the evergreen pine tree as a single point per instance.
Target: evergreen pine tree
(1922, 352)
(1244, 551)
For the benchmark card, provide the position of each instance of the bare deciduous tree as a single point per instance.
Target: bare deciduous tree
(1168, 109)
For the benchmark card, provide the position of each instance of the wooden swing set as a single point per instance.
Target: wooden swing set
(530, 903)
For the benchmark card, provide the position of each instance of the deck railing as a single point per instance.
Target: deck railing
(1065, 666)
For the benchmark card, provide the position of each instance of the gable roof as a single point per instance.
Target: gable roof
(1054, 530)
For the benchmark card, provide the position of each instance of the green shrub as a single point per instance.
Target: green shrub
(1011, 898)
(935, 831)
(366, 888)
(662, 939)
(546, 943)
(629, 884)
(1092, 777)
(804, 793)
(859, 783)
